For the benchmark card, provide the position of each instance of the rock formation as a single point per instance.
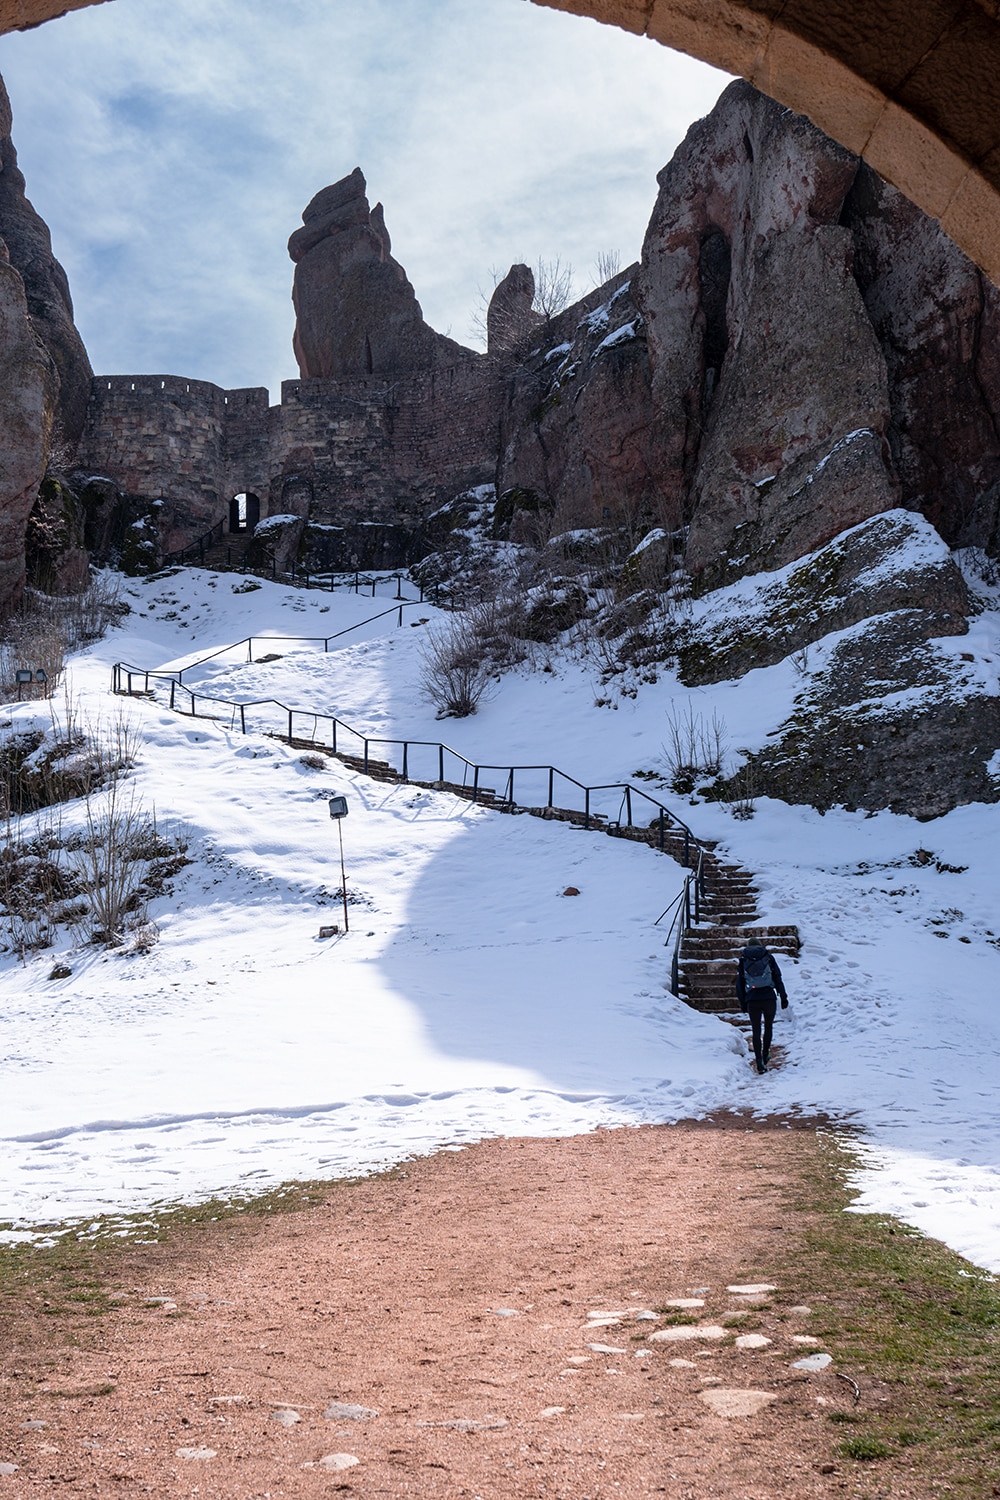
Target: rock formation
(27, 387)
(50, 306)
(356, 313)
(510, 317)
(45, 375)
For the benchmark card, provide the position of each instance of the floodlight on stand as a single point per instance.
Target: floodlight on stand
(338, 811)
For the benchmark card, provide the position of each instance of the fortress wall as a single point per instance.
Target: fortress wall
(345, 452)
(160, 436)
(384, 450)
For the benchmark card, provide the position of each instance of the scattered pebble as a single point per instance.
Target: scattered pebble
(803, 1338)
(552, 1411)
(8, 1468)
(285, 1417)
(196, 1453)
(687, 1331)
(683, 1364)
(813, 1362)
(345, 1411)
(336, 1461)
(801, 1312)
(579, 1359)
(646, 1316)
(685, 1302)
(33, 1426)
(752, 1341)
(605, 1349)
(752, 1289)
(642, 1354)
(631, 1416)
(726, 1402)
(506, 1312)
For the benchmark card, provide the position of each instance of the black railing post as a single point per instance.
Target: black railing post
(586, 808)
(687, 848)
(243, 718)
(552, 773)
(333, 747)
(628, 806)
(130, 684)
(406, 762)
(662, 821)
(366, 757)
(173, 689)
(289, 726)
(440, 762)
(475, 785)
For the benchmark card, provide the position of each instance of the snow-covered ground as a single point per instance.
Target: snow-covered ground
(471, 997)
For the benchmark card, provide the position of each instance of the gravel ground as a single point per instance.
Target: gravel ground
(432, 1333)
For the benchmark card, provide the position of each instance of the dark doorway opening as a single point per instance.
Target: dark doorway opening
(244, 513)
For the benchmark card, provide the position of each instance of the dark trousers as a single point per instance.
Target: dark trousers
(761, 1006)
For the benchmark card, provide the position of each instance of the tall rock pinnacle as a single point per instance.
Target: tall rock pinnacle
(356, 313)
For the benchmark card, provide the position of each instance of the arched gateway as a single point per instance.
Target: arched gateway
(913, 86)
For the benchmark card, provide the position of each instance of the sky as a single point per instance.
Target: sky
(172, 147)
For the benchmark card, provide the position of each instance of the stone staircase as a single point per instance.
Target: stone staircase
(709, 952)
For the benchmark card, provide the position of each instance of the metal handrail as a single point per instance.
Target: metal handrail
(688, 902)
(178, 672)
(123, 676)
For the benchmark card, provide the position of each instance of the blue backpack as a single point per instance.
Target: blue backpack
(757, 971)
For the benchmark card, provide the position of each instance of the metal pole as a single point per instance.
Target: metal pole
(661, 830)
(343, 877)
(551, 777)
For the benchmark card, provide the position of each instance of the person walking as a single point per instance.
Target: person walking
(758, 985)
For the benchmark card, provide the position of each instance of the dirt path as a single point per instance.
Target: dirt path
(451, 1301)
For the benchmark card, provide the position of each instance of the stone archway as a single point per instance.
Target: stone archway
(911, 85)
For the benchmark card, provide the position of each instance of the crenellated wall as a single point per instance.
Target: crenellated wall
(341, 451)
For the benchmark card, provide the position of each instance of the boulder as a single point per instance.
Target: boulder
(356, 313)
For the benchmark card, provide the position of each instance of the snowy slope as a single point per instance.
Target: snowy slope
(471, 997)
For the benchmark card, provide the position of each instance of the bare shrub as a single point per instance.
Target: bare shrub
(607, 265)
(119, 840)
(553, 287)
(695, 747)
(742, 797)
(454, 675)
(48, 626)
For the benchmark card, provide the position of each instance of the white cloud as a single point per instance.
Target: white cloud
(172, 148)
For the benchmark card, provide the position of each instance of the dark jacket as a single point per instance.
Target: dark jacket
(764, 995)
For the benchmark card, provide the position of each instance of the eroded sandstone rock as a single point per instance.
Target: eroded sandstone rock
(356, 313)
(50, 306)
(769, 386)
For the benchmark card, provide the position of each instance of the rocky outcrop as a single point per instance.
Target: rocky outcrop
(881, 566)
(577, 431)
(897, 717)
(27, 388)
(356, 313)
(769, 385)
(937, 321)
(50, 306)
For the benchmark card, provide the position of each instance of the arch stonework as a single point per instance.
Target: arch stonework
(913, 86)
